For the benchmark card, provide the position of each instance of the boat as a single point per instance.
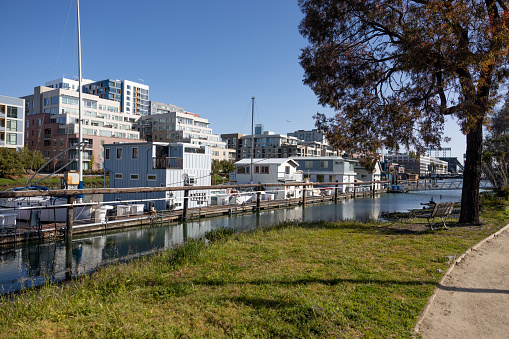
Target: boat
(45, 206)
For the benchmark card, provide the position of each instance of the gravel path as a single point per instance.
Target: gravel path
(473, 299)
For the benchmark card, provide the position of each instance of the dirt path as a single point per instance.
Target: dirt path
(473, 300)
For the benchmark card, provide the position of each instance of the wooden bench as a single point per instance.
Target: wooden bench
(441, 210)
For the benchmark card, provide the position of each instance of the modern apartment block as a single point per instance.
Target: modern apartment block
(169, 123)
(234, 142)
(51, 126)
(309, 135)
(270, 145)
(423, 165)
(11, 122)
(133, 96)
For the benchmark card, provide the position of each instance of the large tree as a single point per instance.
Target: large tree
(394, 69)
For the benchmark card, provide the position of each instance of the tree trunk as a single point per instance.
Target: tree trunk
(472, 176)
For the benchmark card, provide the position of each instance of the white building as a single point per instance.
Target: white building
(421, 165)
(364, 175)
(169, 123)
(158, 164)
(329, 169)
(270, 171)
(12, 122)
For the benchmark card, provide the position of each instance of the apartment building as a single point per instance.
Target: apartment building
(422, 165)
(51, 125)
(12, 122)
(268, 144)
(170, 123)
(132, 96)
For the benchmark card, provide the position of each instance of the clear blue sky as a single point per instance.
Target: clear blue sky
(208, 57)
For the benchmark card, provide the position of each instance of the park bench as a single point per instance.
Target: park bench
(441, 210)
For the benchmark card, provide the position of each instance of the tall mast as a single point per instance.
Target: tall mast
(80, 140)
(252, 137)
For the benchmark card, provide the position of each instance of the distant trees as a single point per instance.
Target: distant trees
(15, 163)
(393, 70)
(496, 151)
(222, 167)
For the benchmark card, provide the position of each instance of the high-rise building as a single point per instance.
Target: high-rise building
(12, 122)
(133, 96)
(170, 123)
(52, 117)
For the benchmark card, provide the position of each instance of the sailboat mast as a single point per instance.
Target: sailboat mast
(80, 140)
(252, 137)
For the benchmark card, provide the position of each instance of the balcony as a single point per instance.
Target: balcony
(167, 163)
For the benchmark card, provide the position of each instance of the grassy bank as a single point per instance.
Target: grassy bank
(323, 279)
(52, 182)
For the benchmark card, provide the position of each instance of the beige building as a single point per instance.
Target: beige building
(170, 123)
(51, 125)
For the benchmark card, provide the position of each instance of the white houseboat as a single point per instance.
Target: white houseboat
(329, 169)
(270, 171)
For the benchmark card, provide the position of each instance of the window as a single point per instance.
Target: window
(308, 164)
(54, 100)
(287, 169)
(264, 169)
(243, 170)
(135, 176)
(151, 177)
(106, 153)
(324, 164)
(11, 139)
(119, 153)
(12, 125)
(12, 112)
(319, 178)
(257, 169)
(118, 176)
(135, 153)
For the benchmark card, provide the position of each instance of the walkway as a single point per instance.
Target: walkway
(473, 298)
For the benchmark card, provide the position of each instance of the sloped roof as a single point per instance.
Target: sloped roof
(266, 161)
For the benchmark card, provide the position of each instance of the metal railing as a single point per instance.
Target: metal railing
(167, 163)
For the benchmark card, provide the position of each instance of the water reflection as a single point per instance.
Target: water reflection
(31, 265)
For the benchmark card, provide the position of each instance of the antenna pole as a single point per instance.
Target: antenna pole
(252, 137)
(80, 140)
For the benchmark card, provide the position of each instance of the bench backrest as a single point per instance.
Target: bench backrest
(442, 209)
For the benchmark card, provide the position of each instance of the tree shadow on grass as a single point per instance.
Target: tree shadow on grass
(306, 281)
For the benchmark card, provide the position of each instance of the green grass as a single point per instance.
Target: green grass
(51, 182)
(325, 279)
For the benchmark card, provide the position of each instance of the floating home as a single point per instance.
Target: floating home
(329, 169)
(270, 171)
(159, 164)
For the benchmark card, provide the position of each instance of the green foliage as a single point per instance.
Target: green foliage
(222, 167)
(219, 234)
(30, 160)
(496, 151)
(10, 164)
(15, 163)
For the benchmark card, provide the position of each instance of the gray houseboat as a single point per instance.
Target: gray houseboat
(159, 164)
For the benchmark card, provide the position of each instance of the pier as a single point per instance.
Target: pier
(23, 231)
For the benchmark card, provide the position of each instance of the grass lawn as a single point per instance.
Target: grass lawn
(345, 280)
(52, 182)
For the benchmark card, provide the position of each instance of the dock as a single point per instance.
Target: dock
(23, 232)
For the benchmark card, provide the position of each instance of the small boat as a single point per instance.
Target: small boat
(24, 207)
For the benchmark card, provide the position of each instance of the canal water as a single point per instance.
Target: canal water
(33, 264)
